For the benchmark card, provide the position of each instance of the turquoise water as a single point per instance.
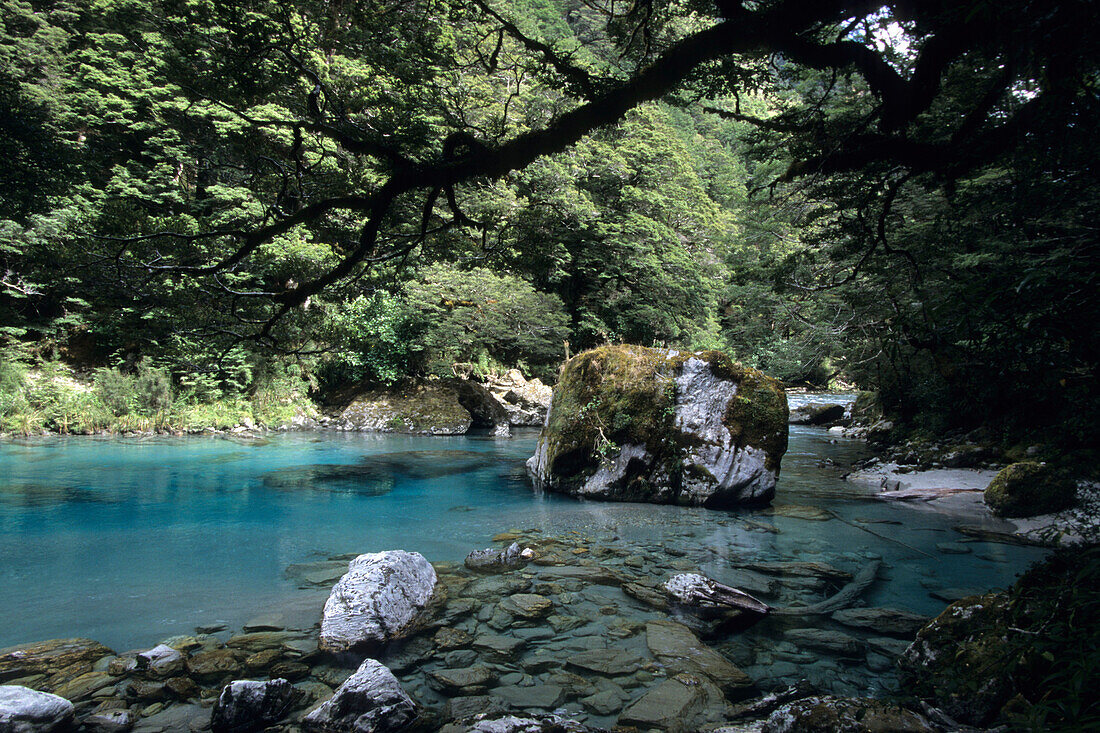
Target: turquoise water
(130, 540)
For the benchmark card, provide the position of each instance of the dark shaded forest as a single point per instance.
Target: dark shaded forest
(214, 207)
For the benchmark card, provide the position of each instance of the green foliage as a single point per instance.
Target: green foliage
(370, 339)
(476, 316)
(115, 390)
(1059, 600)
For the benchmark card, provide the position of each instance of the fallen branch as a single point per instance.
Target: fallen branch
(845, 597)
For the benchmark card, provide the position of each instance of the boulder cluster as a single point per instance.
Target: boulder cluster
(537, 633)
(451, 406)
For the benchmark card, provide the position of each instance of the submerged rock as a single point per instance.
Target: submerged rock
(491, 560)
(891, 621)
(246, 705)
(826, 640)
(381, 598)
(629, 423)
(674, 705)
(23, 710)
(371, 701)
(680, 650)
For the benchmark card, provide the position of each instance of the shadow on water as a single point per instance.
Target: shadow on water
(376, 475)
(41, 496)
(430, 464)
(357, 480)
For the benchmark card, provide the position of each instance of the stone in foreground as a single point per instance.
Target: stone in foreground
(246, 705)
(629, 423)
(48, 657)
(371, 701)
(676, 705)
(23, 710)
(381, 598)
(680, 650)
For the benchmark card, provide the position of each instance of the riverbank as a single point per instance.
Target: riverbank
(56, 402)
(961, 491)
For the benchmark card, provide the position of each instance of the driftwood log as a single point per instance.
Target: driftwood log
(700, 593)
(844, 598)
(922, 494)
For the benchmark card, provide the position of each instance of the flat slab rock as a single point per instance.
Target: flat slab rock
(47, 657)
(611, 662)
(379, 599)
(680, 650)
(891, 621)
(674, 705)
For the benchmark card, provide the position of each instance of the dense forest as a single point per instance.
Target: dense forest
(212, 207)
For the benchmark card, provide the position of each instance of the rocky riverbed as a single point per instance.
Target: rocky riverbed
(586, 630)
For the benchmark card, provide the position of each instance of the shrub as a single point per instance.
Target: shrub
(114, 390)
(152, 389)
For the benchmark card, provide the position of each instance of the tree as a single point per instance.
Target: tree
(909, 126)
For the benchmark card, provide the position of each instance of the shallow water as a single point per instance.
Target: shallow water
(130, 540)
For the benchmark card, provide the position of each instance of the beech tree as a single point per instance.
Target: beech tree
(423, 138)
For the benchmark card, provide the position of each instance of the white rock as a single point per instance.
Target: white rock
(370, 701)
(380, 599)
(160, 661)
(738, 475)
(23, 710)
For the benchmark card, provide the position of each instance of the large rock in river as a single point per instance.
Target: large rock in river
(381, 598)
(630, 423)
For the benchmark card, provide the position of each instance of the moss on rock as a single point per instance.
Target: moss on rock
(621, 409)
(1028, 488)
(414, 406)
(1028, 657)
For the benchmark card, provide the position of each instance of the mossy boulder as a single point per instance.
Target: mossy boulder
(1026, 657)
(1029, 488)
(420, 406)
(630, 423)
